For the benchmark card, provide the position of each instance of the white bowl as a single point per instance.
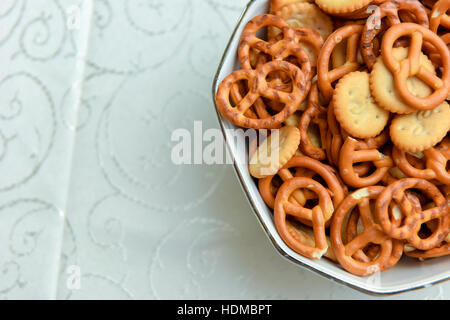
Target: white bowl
(408, 274)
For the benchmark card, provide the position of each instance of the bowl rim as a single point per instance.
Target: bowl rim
(281, 251)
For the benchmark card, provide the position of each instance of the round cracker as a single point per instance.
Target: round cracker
(355, 108)
(341, 6)
(307, 15)
(420, 130)
(276, 5)
(382, 83)
(274, 152)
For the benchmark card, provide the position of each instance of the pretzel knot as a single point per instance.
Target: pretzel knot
(313, 167)
(316, 215)
(437, 159)
(439, 15)
(435, 163)
(286, 47)
(325, 77)
(350, 254)
(259, 87)
(411, 214)
(350, 154)
(317, 114)
(390, 11)
(411, 66)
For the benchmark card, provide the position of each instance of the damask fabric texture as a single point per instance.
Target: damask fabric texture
(91, 205)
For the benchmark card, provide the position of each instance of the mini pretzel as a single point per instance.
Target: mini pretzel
(356, 222)
(436, 162)
(317, 114)
(439, 251)
(325, 172)
(249, 40)
(439, 15)
(278, 50)
(437, 159)
(411, 66)
(402, 161)
(350, 154)
(260, 88)
(326, 77)
(390, 11)
(413, 215)
(268, 194)
(275, 81)
(316, 215)
(260, 110)
(372, 233)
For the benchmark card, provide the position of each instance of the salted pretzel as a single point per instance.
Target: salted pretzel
(275, 81)
(350, 154)
(437, 159)
(411, 166)
(356, 225)
(257, 111)
(443, 249)
(249, 40)
(268, 190)
(439, 15)
(413, 216)
(435, 163)
(388, 254)
(325, 77)
(317, 114)
(277, 50)
(287, 81)
(327, 173)
(411, 66)
(284, 207)
(390, 11)
(259, 88)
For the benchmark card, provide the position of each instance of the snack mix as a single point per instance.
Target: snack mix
(358, 91)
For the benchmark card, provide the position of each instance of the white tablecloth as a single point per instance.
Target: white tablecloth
(90, 92)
